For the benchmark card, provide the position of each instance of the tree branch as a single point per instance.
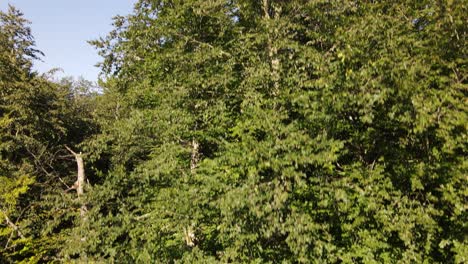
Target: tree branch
(13, 225)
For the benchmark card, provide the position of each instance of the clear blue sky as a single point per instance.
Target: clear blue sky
(62, 27)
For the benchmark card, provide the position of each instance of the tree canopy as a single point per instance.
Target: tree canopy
(243, 132)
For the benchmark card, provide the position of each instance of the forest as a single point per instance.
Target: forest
(241, 131)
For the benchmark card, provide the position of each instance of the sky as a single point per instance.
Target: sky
(62, 28)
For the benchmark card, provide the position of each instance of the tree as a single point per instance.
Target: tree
(37, 118)
(243, 131)
(267, 131)
(164, 115)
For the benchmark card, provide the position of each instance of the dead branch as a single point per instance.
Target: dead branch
(80, 178)
(13, 225)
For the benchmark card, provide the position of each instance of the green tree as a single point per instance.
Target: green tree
(37, 118)
(280, 131)
(164, 114)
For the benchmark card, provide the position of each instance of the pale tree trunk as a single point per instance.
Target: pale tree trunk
(272, 49)
(189, 236)
(80, 179)
(195, 156)
(189, 233)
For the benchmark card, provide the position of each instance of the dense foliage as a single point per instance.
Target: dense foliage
(244, 132)
(37, 118)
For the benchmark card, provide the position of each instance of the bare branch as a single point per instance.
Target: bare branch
(71, 151)
(13, 225)
(140, 217)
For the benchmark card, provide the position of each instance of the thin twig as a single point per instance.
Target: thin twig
(60, 179)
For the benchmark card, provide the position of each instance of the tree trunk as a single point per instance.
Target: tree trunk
(80, 179)
(195, 155)
(272, 49)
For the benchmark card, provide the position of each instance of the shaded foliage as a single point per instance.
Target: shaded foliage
(250, 131)
(37, 118)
